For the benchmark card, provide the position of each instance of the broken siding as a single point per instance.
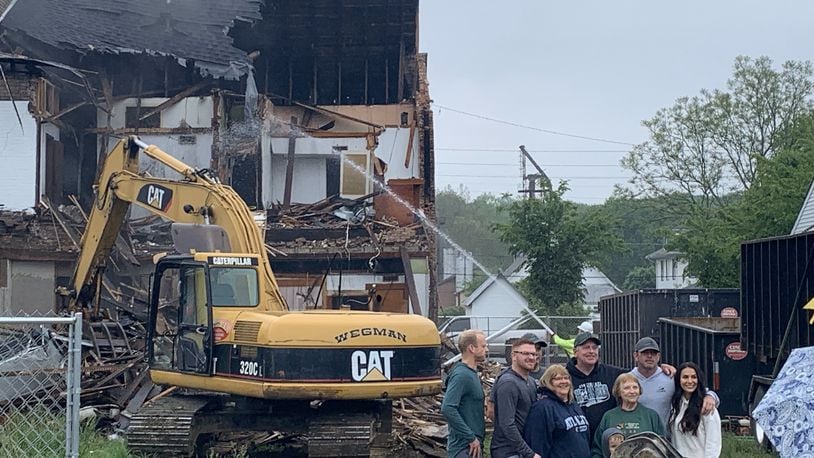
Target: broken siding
(18, 153)
(392, 149)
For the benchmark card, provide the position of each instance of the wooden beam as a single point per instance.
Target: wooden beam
(289, 166)
(400, 93)
(176, 98)
(409, 153)
(337, 114)
(410, 280)
(151, 130)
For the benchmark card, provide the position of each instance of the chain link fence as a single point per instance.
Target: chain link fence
(501, 330)
(40, 369)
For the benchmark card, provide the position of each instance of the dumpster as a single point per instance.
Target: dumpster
(713, 344)
(627, 317)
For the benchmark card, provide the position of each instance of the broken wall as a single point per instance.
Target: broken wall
(30, 288)
(182, 130)
(318, 170)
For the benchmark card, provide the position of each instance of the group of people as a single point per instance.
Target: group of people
(583, 409)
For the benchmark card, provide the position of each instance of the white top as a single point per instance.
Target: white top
(706, 443)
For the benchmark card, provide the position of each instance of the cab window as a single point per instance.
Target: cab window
(233, 286)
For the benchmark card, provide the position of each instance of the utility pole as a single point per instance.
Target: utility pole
(530, 180)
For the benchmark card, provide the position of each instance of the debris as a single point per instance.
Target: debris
(419, 424)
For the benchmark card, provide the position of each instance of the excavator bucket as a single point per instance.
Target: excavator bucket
(645, 445)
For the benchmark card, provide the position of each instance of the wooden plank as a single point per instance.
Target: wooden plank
(408, 276)
(409, 154)
(289, 166)
(135, 404)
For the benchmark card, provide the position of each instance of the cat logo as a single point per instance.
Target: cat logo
(155, 196)
(373, 366)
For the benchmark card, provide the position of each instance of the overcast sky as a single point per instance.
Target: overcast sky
(587, 68)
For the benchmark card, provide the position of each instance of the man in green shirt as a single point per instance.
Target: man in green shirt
(463, 400)
(567, 345)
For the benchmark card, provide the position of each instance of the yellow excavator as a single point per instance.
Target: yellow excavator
(220, 330)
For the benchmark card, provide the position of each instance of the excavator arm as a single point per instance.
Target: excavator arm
(196, 198)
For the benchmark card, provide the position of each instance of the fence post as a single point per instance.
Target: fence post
(74, 387)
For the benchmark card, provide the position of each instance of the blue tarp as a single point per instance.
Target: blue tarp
(786, 412)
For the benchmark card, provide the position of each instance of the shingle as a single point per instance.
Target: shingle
(189, 29)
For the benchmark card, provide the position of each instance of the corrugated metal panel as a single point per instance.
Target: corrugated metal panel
(704, 341)
(627, 317)
(772, 273)
(805, 219)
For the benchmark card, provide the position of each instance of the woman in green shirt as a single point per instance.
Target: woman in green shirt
(630, 417)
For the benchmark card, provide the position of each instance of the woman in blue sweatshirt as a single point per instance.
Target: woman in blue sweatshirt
(556, 426)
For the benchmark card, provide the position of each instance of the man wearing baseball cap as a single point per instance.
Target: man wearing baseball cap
(592, 380)
(657, 386)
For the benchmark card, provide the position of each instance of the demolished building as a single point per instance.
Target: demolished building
(317, 113)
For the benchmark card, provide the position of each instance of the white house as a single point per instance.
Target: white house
(805, 219)
(498, 299)
(670, 268)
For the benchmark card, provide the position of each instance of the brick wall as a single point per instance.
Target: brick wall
(22, 88)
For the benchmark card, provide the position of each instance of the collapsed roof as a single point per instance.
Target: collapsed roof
(194, 30)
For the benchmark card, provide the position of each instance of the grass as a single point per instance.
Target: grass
(742, 447)
(42, 434)
(733, 446)
(92, 443)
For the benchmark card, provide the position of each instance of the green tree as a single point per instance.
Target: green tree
(640, 223)
(768, 208)
(558, 244)
(720, 161)
(469, 222)
(640, 277)
(706, 147)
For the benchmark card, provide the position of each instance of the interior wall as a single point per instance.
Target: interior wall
(18, 152)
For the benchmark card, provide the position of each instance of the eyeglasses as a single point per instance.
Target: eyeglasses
(557, 378)
(526, 353)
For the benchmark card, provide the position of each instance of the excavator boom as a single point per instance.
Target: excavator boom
(197, 198)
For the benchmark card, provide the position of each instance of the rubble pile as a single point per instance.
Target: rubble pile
(418, 423)
(335, 222)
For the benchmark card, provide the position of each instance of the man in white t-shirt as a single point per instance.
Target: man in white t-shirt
(658, 387)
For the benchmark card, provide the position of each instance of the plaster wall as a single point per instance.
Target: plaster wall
(18, 154)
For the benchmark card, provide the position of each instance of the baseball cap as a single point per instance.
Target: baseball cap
(584, 337)
(647, 343)
(538, 342)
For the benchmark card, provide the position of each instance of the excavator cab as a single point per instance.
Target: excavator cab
(180, 317)
(186, 288)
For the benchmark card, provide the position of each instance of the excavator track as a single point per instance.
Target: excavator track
(363, 433)
(166, 427)
(177, 425)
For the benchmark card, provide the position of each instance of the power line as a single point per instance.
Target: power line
(498, 164)
(552, 177)
(538, 129)
(514, 150)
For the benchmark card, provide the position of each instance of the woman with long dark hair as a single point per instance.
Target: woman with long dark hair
(694, 435)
